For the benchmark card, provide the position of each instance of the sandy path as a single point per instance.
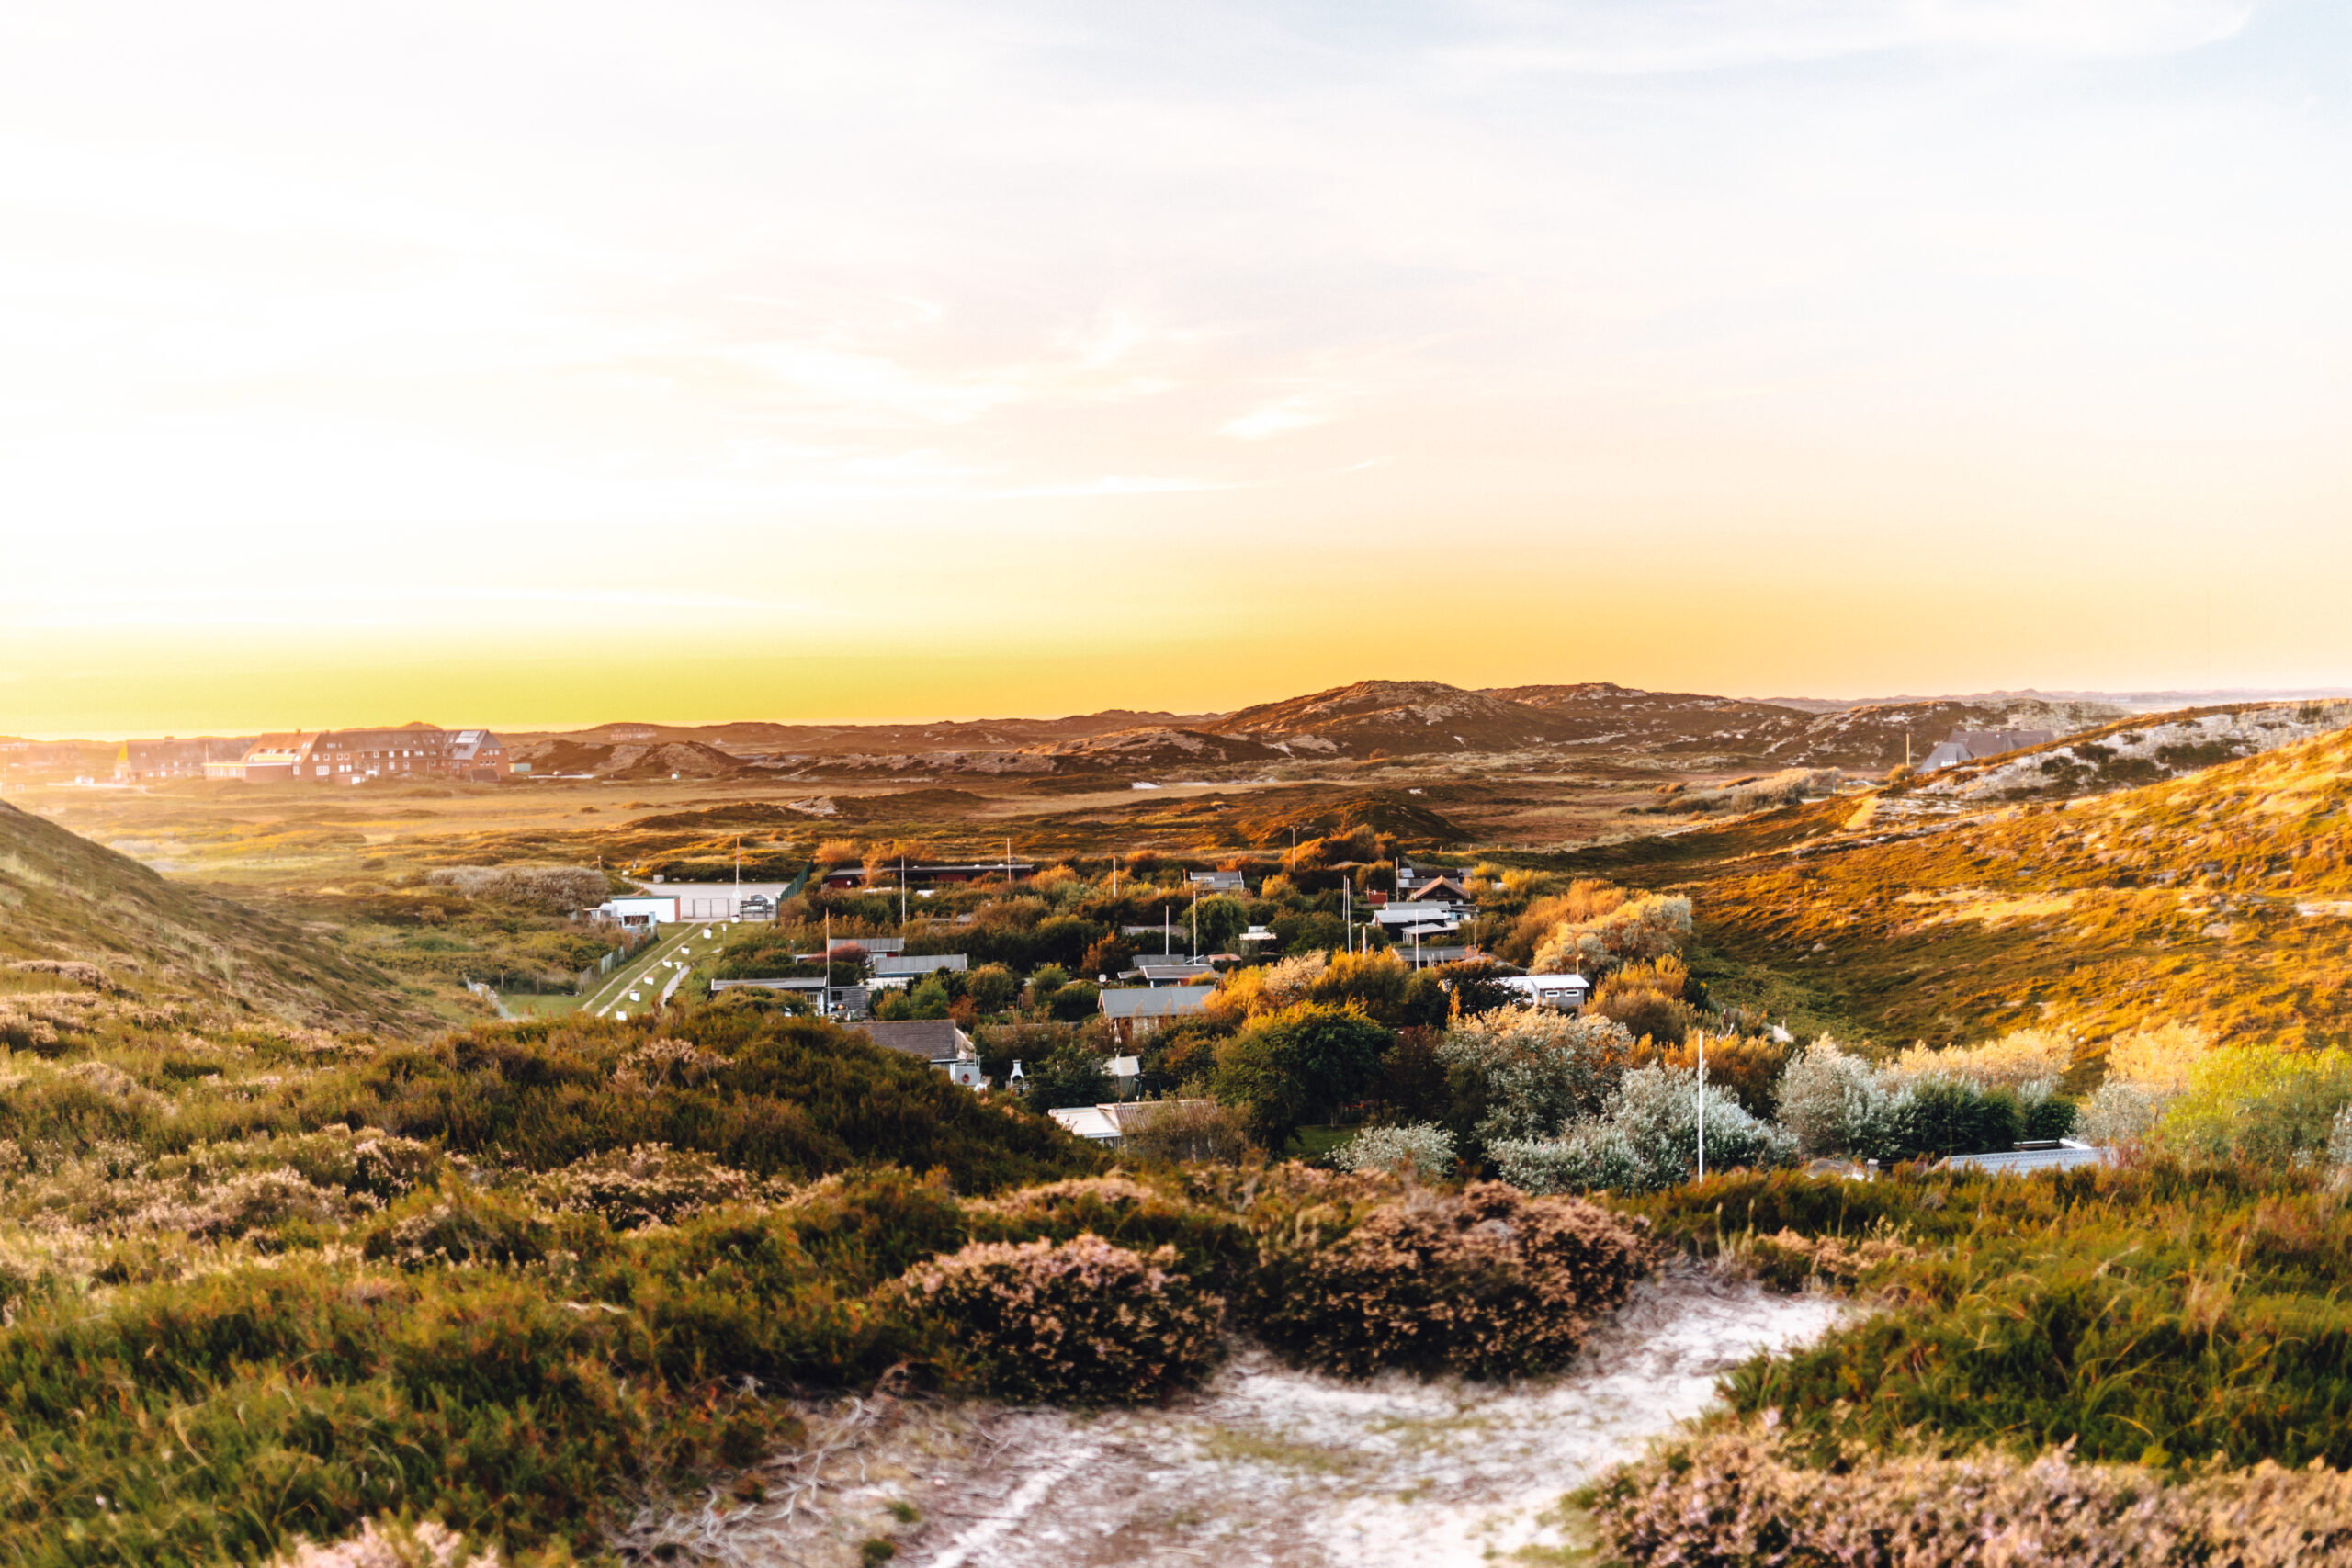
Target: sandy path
(1270, 1468)
(1264, 1468)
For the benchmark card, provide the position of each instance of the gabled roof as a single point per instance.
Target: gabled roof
(1166, 1001)
(920, 963)
(932, 1039)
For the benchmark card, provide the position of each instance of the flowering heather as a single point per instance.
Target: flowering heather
(1487, 1283)
(1077, 1320)
(1738, 1499)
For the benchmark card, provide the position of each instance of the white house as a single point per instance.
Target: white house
(1567, 992)
(638, 911)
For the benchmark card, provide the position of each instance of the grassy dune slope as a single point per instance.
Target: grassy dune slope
(2222, 897)
(64, 897)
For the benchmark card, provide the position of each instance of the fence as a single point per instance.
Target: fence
(594, 976)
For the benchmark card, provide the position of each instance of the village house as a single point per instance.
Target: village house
(355, 756)
(934, 1040)
(1112, 1125)
(477, 755)
(1135, 1013)
(143, 762)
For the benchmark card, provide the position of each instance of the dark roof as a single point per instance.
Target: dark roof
(920, 963)
(1166, 1001)
(932, 1039)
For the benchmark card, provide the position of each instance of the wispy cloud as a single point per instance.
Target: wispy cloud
(1277, 418)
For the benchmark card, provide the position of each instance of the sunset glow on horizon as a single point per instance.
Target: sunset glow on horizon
(541, 366)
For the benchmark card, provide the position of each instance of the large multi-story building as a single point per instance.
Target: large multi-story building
(355, 756)
(142, 761)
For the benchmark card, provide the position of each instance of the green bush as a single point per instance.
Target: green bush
(768, 1095)
(1076, 1002)
(1074, 1075)
(1291, 1067)
(1080, 1320)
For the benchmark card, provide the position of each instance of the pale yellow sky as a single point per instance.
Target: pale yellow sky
(531, 365)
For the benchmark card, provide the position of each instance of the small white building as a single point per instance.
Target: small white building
(638, 911)
(1567, 992)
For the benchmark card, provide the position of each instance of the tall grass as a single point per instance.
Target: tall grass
(2159, 1313)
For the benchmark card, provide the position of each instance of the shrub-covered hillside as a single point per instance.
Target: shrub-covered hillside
(2221, 898)
(63, 898)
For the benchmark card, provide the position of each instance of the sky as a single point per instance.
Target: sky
(538, 364)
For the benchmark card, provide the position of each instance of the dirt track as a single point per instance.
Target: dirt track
(1267, 1467)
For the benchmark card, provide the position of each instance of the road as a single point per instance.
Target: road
(666, 963)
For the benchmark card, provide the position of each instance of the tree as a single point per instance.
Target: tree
(930, 1000)
(1052, 978)
(1478, 988)
(1076, 1002)
(1113, 956)
(991, 987)
(1289, 1067)
(1073, 1074)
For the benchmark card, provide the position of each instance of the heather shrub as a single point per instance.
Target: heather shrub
(1741, 1499)
(1424, 1149)
(1080, 1320)
(455, 1225)
(370, 1161)
(275, 1204)
(769, 1095)
(1488, 1283)
(870, 1226)
(644, 1185)
(1209, 1244)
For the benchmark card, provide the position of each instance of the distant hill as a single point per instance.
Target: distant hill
(1393, 719)
(1398, 718)
(1158, 749)
(2138, 751)
(748, 739)
(638, 760)
(65, 898)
